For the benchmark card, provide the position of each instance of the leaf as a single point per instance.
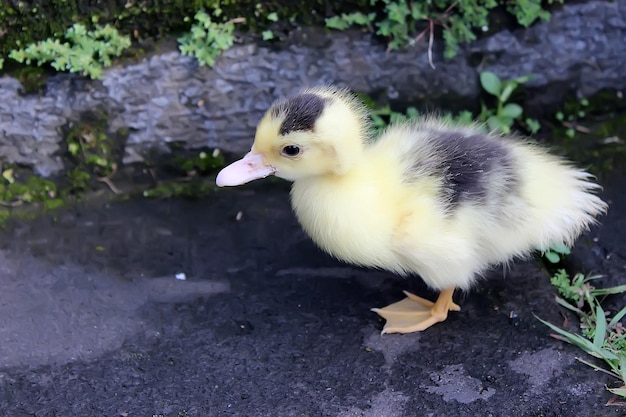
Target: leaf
(600, 334)
(7, 174)
(512, 110)
(73, 148)
(622, 367)
(363, 19)
(612, 290)
(533, 125)
(337, 23)
(491, 83)
(621, 391)
(552, 257)
(494, 123)
(561, 248)
(267, 35)
(507, 91)
(617, 318)
(272, 17)
(580, 342)
(412, 113)
(567, 305)
(523, 79)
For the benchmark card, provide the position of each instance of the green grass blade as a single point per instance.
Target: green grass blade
(621, 368)
(568, 306)
(617, 318)
(612, 290)
(597, 368)
(581, 343)
(572, 338)
(618, 391)
(600, 334)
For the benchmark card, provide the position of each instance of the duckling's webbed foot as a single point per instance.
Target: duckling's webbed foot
(414, 314)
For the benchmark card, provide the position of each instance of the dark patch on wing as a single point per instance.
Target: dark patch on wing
(300, 112)
(467, 163)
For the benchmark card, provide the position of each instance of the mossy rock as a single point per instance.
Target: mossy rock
(25, 22)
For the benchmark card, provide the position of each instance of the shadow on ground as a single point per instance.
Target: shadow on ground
(94, 323)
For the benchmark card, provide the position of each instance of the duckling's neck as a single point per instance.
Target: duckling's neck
(341, 213)
(350, 169)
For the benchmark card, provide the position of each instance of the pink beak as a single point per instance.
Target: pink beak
(250, 167)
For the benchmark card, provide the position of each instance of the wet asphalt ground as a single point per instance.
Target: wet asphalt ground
(94, 322)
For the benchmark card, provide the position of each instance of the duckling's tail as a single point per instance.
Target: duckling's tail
(562, 198)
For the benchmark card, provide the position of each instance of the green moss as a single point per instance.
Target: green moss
(592, 132)
(402, 22)
(17, 187)
(25, 22)
(187, 188)
(201, 163)
(79, 181)
(92, 151)
(189, 173)
(20, 191)
(32, 78)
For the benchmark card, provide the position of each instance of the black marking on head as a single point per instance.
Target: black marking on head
(300, 112)
(470, 164)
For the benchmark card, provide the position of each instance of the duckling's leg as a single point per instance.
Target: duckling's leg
(414, 314)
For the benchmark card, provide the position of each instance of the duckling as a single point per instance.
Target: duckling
(426, 197)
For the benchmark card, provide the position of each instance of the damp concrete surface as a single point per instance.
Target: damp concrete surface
(223, 307)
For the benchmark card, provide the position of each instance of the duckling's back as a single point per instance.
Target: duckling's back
(499, 196)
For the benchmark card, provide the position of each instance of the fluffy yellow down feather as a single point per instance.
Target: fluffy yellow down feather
(425, 197)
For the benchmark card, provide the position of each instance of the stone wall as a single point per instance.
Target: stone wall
(167, 97)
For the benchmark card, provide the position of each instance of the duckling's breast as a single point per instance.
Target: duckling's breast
(352, 218)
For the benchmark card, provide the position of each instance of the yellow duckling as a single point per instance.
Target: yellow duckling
(425, 197)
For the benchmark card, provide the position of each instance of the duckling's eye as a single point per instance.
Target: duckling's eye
(290, 150)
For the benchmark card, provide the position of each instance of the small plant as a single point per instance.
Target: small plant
(505, 114)
(529, 11)
(92, 149)
(603, 337)
(347, 20)
(194, 170)
(201, 163)
(383, 116)
(571, 120)
(459, 19)
(87, 52)
(268, 34)
(554, 252)
(208, 39)
(79, 180)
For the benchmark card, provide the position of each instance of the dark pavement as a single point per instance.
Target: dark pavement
(93, 321)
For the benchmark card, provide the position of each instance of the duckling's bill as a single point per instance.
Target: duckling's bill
(250, 167)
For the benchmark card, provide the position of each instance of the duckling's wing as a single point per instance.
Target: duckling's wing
(469, 166)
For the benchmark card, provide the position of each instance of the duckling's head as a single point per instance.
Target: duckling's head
(319, 131)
